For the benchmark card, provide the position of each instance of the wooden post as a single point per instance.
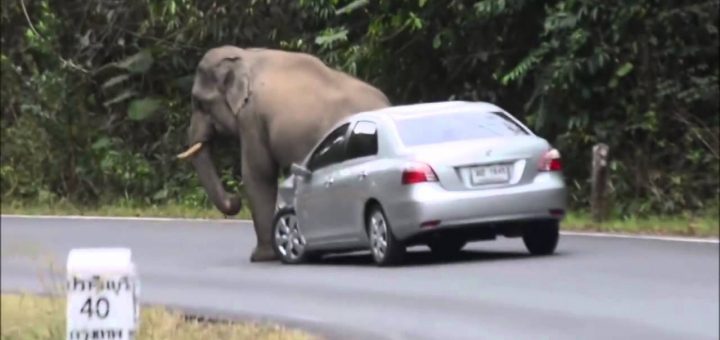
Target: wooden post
(598, 195)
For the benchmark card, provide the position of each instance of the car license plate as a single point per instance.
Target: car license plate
(489, 174)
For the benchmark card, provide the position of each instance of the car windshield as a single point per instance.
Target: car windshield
(442, 128)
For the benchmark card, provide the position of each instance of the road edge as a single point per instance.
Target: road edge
(231, 220)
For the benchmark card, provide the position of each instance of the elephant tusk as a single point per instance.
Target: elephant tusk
(191, 151)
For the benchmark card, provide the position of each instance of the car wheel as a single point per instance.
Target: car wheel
(542, 238)
(386, 249)
(288, 241)
(446, 247)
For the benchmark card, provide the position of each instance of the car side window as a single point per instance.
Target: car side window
(331, 150)
(363, 140)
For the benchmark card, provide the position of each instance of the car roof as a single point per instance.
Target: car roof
(399, 112)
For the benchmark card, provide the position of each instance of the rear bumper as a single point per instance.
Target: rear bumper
(538, 200)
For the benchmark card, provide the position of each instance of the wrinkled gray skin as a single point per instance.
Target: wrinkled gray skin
(279, 104)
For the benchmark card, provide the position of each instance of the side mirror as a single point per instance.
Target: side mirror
(300, 171)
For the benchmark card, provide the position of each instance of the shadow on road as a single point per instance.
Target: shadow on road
(425, 257)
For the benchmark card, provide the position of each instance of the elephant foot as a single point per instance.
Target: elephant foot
(263, 254)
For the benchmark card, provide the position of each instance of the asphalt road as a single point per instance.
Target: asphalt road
(594, 288)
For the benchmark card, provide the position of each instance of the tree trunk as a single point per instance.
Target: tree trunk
(598, 196)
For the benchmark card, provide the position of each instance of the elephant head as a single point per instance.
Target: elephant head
(220, 90)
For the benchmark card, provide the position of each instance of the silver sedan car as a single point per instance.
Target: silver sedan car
(437, 174)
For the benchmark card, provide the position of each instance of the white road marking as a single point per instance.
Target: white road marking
(641, 237)
(230, 220)
(120, 218)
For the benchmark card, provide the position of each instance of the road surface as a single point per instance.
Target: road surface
(594, 288)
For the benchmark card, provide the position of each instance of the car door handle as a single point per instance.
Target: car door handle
(362, 175)
(329, 182)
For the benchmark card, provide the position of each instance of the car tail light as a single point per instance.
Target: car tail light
(550, 161)
(418, 173)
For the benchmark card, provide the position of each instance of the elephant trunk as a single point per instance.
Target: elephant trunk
(228, 204)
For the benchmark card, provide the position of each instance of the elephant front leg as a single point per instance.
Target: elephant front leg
(261, 187)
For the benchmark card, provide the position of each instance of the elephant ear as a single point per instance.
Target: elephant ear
(236, 85)
(204, 87)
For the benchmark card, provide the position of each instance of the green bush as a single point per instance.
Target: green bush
(94, 110)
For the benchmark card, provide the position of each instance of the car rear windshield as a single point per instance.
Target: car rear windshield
(452, 127)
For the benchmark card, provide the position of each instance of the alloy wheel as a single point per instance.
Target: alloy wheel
(289, 241)
(378, 235)
(386, 249)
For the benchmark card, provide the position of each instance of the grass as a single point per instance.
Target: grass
(121, 209)
(30, 317)
(704, 225)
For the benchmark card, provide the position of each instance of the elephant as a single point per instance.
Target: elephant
(278, 104)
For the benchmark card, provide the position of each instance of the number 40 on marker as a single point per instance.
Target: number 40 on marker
(100, 310)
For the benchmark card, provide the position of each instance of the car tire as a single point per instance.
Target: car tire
(386, 250)
(287, 240)
(542, 238)
(446, 247)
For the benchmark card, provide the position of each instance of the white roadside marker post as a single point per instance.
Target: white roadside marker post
(102, 290)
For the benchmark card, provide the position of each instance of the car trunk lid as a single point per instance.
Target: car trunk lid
(483, 163)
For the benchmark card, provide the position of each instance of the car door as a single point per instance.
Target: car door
(316, 197)
(351, 182)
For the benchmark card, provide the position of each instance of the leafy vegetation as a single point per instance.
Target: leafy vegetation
(95, 95)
